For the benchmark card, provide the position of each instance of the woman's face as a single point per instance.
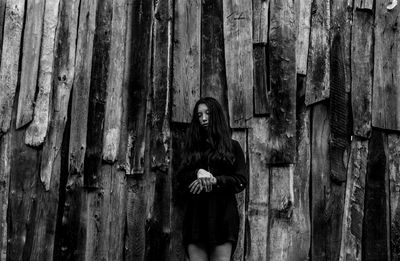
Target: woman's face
(203, 115)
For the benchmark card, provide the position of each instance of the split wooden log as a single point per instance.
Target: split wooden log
(260, 21)
(238, 39)
(30, 61)
(303, 35)
(13, 24)
(187, 59)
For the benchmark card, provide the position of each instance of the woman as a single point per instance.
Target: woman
(212, 171)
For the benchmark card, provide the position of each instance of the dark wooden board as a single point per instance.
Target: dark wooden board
(5, 143)
(261, 83)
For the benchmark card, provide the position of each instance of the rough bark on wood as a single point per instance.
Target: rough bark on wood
(258, 191)
(30, 61)
(238, 39)
(260, 21)
(5, 168)
(112, 124)
(303, 35)
(10, 56)
(386, 94)
(351, 243)
(361, 69)
(319, 53)
(282, 95)
(80, 94)
(187, 59)
(261, 83)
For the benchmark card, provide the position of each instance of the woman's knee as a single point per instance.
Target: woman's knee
(222, 252)
(197, 252)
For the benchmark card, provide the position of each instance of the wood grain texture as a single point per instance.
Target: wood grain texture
(386, 94)
(2, 20)
(361, 72)
(37, 129)
(187, 59)
(10, 56)
(113, 114)
(364, 4)
(282, 95)
(5, 168)
(261, 80)
(353, 215)
(30, 60)
(258, 209)
(260, 21)
(80, 93)
(319, 53)
(303, 35)
(238, 39)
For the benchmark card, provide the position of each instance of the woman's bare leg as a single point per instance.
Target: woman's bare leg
(197, 253)
(222, 252)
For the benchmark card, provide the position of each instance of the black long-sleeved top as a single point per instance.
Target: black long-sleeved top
(212, 217)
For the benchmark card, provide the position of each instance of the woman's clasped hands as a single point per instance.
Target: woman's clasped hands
(205, 180)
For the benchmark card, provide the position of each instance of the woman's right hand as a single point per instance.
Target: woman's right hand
(206, 179)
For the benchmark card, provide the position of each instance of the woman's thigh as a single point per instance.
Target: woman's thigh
(197, 252)
(222, 252)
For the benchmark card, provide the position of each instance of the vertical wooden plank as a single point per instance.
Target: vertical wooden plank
(112, 124)
(361, 71)
(261, 83)
(319, 53)
(364, 4)
(241, 137)
(238, 40)
(186, 76)
(393, 169)
(30, 60)
(281, 199)
(386, 94)
(5, 149)
(80, 93)
(37, 130)
(375, 232)
(213, 77)
(258, 191)
(2, 21)
(260, 21)
(10, 55)
(351, 243)
(303, 35)
(282, 95)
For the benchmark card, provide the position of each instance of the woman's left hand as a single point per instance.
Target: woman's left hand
(198, 185)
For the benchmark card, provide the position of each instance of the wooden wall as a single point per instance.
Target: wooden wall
(96, 95)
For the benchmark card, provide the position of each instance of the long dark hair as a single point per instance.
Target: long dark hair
(217, 136)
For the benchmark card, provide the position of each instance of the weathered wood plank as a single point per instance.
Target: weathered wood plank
(238, 39)
(80, 94)
(112, 124)
(213, 77)
(30, 60)
(13, 24)
(241, 137)
(386, 94)
(361, 70)
(260, 21)
(282, 95)
(364, 4)
(187, 59)
(351, 244)
(280, 225)
(37, 130)
(319, 53)
(5, 168)
(258, 191)
(393, 168)
(376, 216)
(2, 21)
(261, 83)
(303, 35)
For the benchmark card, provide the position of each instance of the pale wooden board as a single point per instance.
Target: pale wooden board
(351, 243)
(30, 60)
(13, 24)
(303, 35)
(113, 114)
(361, 72)
(319, 53)
(81, 85)
(386, 91)
(5, 150)
(187, 54)
(237, 17)
(37, 130)
(258, 191)
(260, 21)
(364, 4)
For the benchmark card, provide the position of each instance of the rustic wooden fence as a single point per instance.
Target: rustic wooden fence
(95, 97)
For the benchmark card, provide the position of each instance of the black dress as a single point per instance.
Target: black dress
(212, 218)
